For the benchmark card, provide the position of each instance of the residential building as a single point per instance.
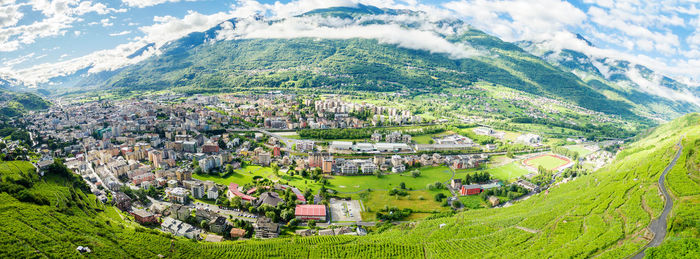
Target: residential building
(178, 194)
(218, 225)
(237, 233)
(265, 228)
(198, 190)
(144, 217)
(213, 193)
(179, 228)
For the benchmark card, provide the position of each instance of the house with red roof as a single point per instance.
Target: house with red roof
(300, 196)
(470, 189)
(233, 191)
(310, 212)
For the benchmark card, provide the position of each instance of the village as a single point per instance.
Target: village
(218, 168)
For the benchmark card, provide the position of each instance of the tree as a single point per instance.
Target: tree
(204, 224)
(415, 173)
(195, 163)
(402, 185)
(510, 154)
(456, 204)
(198, 170)
(236, 202)
(229, 169)
(311, 223)
(438, 185)
(439, 196)
(275, 169)
(221, 143)
(272, 215)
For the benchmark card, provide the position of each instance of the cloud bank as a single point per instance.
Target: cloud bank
(393, 32)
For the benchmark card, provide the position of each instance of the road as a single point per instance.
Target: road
(235, 214)
(658, 226)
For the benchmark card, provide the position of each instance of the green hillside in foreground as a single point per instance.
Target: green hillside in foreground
(603, 214)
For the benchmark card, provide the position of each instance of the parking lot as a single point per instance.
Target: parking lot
(342, 210)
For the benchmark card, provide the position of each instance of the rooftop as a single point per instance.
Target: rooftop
(310, 210)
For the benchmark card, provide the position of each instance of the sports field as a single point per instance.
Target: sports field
(581, 149)
(508, 171)
(548, 161)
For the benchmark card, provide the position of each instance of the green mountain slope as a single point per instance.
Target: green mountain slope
(602, 214)
(198, 63)
(13, 104)
(657, 95)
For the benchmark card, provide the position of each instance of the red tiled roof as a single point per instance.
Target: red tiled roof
(299, 195)
(310, 210)
(233, 188)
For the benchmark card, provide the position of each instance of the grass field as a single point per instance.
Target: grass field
(343, 184)
(388, 182)
(242, 176)
(472, 202)
(508, 172)
(376, 200)
(422, 139)
(582, 151)
(548, 161)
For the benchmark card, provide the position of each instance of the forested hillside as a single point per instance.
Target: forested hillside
(13, 104)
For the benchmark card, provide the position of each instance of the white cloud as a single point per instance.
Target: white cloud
(104, 60)
(168, 28)
(519, 19)
(334, 28)
(119, 33)
(10, 15)
(653, 86)
(18, 60)
(106, 23)
(59, 16)
(147, 3)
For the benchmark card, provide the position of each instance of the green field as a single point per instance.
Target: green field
(508, 172)
(422, 208)
(241, 177)
(428, 175)
(342, 184)
(472, 202)
(547, 161)
(582, 151)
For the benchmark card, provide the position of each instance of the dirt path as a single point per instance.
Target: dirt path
(527, 229)
(658, 226)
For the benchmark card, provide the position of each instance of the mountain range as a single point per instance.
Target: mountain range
(365, 48)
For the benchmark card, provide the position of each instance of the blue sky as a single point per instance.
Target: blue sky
(40, 39)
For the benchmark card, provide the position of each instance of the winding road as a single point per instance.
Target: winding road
(658, 226)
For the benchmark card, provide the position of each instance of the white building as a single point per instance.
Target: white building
(178, 194)
(213, 193)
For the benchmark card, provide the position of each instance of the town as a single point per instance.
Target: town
(260, 166)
